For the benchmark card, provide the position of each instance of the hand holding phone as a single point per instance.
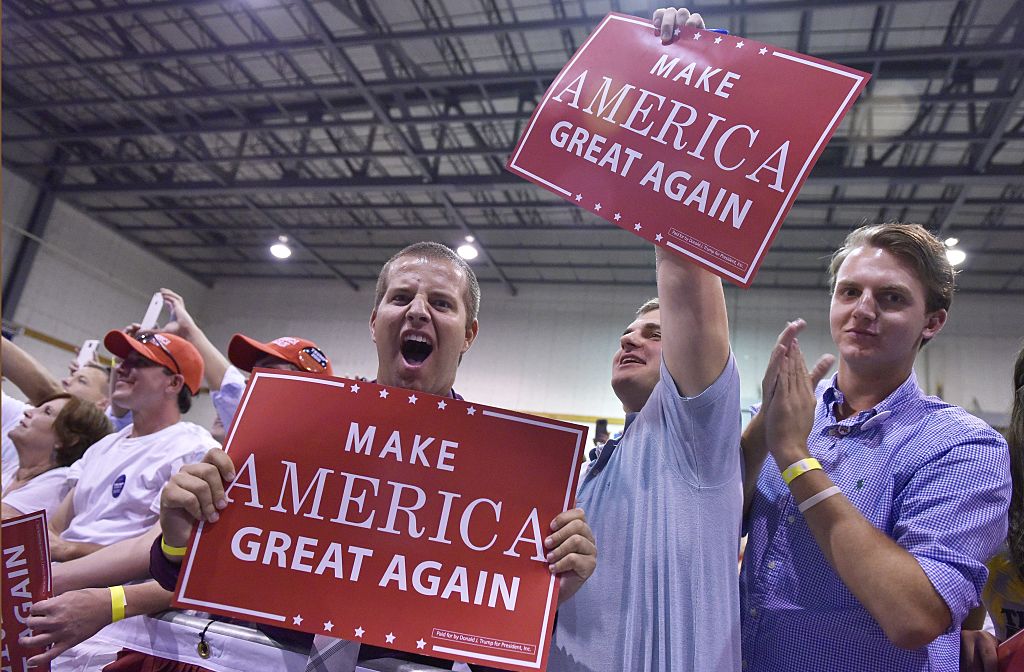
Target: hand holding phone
(156, 305)
(87, 353)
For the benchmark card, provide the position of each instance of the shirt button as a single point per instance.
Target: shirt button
(744, 663)
(753, 612)
(771, 565)
(833, 432)
(844, 430)
(790, 519)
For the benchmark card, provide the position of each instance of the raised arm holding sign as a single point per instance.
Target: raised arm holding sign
(664, 498)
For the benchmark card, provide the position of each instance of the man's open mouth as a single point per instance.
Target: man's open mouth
(416, 349)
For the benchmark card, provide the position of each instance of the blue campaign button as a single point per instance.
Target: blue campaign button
(118, 486)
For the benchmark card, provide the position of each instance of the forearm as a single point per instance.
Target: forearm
(755, 452)
(122, 562)
(214, 362)
(695, 327)
(146, 598)
(63, 551)
(27, 374)
(887, 580)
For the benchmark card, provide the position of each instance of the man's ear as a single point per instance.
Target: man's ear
(936, 321)
(472, 329)
(373, 320)
(176, 382)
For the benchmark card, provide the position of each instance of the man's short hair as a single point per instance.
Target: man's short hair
(650, 305)
(184, 399)
(435, 251)
(912, 244)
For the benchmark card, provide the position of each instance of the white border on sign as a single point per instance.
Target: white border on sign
(785, 201)
(440, 649)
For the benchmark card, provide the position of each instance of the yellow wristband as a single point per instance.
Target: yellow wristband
(799, 467)
(117, 603)
(172, 551)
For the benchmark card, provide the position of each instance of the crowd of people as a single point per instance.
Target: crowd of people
(884, 526)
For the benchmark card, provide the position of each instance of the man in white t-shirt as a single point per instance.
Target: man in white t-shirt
(120, 477)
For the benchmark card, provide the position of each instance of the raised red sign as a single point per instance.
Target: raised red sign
(388, 517)
(699, 146)
(26, 580)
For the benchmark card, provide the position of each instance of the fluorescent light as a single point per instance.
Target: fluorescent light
(470, 239)
(955, 256)
(280, 250)
(951, 242)
(467, 252)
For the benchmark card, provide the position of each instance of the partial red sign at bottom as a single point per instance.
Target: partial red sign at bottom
(26, 580)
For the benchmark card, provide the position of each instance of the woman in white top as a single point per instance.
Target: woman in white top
(49, 438)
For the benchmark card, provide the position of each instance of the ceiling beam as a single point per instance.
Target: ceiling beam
(821, 174)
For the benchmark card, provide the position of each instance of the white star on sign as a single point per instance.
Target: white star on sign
(420, 643)
(718, 40)
(579, 197)
(597, 207)
(297, 620)
(441, 405)
(413, 399)
(355, 388)
(618, 216)
(328, 626)
(676, 32)
(359, 632)
(763, 50)
(390, 637)
(696, 36)
(657, 238)
(739, 45)
(637, 227)
(383, 394)
(470, 411)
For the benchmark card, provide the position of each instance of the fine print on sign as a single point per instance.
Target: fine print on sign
(26, 580)
(388, 517)
(699, 146)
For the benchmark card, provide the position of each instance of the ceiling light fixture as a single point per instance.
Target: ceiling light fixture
(467, 252)
(955, 256)
(951, 242)
(280, 249)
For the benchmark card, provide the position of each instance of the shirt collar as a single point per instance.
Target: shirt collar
(872, 417)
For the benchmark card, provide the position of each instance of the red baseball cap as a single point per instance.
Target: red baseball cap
(304, 354)
(167, 350)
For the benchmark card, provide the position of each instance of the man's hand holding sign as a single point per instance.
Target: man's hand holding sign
(698, 145)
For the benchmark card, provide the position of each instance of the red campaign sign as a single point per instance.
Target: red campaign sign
(26, 580)
(1011, 654)
(699, 146)
(388, 517)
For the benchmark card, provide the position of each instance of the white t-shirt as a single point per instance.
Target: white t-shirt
(119, 480)
(12, 410)
(45, 491)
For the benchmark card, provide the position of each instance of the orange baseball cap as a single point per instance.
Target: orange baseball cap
(170, 351)
(244, 352)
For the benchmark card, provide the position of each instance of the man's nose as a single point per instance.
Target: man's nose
(418, 309)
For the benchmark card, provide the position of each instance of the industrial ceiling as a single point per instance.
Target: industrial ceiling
(205, 129)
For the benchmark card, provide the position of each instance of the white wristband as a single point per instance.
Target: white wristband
(820, 497)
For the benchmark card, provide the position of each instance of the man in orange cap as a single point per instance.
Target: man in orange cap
(119, 478)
